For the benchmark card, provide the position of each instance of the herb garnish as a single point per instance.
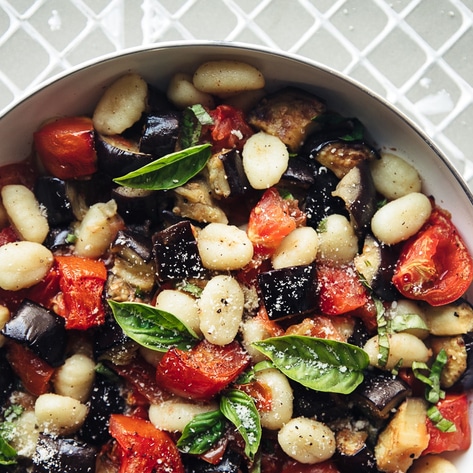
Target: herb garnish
(433, 391)
(8, 455)
(193, 119)
(317, 363)
(204, 430)
(170, 171)
(152, 328)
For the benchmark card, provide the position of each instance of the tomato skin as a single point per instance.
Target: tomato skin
(34, 373)
(340, 290)
(66, 147)
(8, 235)
(203, 371)
(230, 129)
(434, 265)
(82, 282)
(454, 408)
(293, 466)
(272, 219)
(18, 173)
(144, 448)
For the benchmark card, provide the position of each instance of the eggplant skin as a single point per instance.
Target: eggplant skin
(176, 253)
(288, 291)
(232, 462)
(39, 329)
(160, 133)
(51, 193)
(55, 454)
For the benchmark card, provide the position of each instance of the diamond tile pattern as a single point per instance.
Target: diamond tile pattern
(415, 53)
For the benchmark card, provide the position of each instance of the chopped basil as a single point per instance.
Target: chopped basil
(193, 118)
(433, 391)
(170, 171)
(403, 322)
(384, 330)
(151, 327)
(240, 410)
(330, 120)
(319, 364)
(8, 455)
(202, 433)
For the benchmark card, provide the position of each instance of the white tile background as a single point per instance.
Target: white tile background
(416, 53)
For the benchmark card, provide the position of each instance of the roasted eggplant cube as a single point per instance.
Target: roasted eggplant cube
(176, 253)
(357, 190)
(160, 133)
(56, 454)
(379, 393)
(105, 399)
(231, 170)
(51, 193)
(288, 291)
(320, 203)
(39, 329)
(117, 156)
(353, 453)
(300, 173)
(137, 205)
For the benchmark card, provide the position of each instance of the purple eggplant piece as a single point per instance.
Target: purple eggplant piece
(288, 291)
(301, 172)
(51, 193)
(353, 452)
(116, 156)
(108, 336)
(58, 238)
(40, 330)
(160, 133)
(176, 253)
(466, 379)
(135, 242)
(234, 172)
(65, 455)
(105, 399)
(380, 393)
(319, 202)
(357, 190)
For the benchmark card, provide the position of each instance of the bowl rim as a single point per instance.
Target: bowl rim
(416, 127)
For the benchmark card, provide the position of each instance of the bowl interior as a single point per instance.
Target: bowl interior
(77, 92)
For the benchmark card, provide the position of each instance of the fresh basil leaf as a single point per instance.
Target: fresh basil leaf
(193, 118)
(444, 425)
(356, 133)
(240, 410)
(151, 327)
(202, 433)
(170, 171)
(319, 364)
(8, 455)
(403, 322)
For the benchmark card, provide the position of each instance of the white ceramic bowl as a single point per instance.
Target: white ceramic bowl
(77, 91)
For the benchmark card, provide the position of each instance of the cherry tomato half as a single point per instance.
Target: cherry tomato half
(272, 219)
(203, 371)
(81, 281)
(455, 409)
(435, 265)
(144, 448)
(340, 289)
(229, 129)
(66, 147)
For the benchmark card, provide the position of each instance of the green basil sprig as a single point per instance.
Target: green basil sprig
(151, 327)
(170, 171)
(202, 433)
(193, 119)
(319, 364)
(240, 410)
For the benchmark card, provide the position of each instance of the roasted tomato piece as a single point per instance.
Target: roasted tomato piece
(340, 289)
(455, 409)
(66, 147)
(143, 447)
(203, 371)
(8, 235)
(273, 218)
(435, 265)
(18, 173)
(35, 373)
(81, 281)
(230, 129)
